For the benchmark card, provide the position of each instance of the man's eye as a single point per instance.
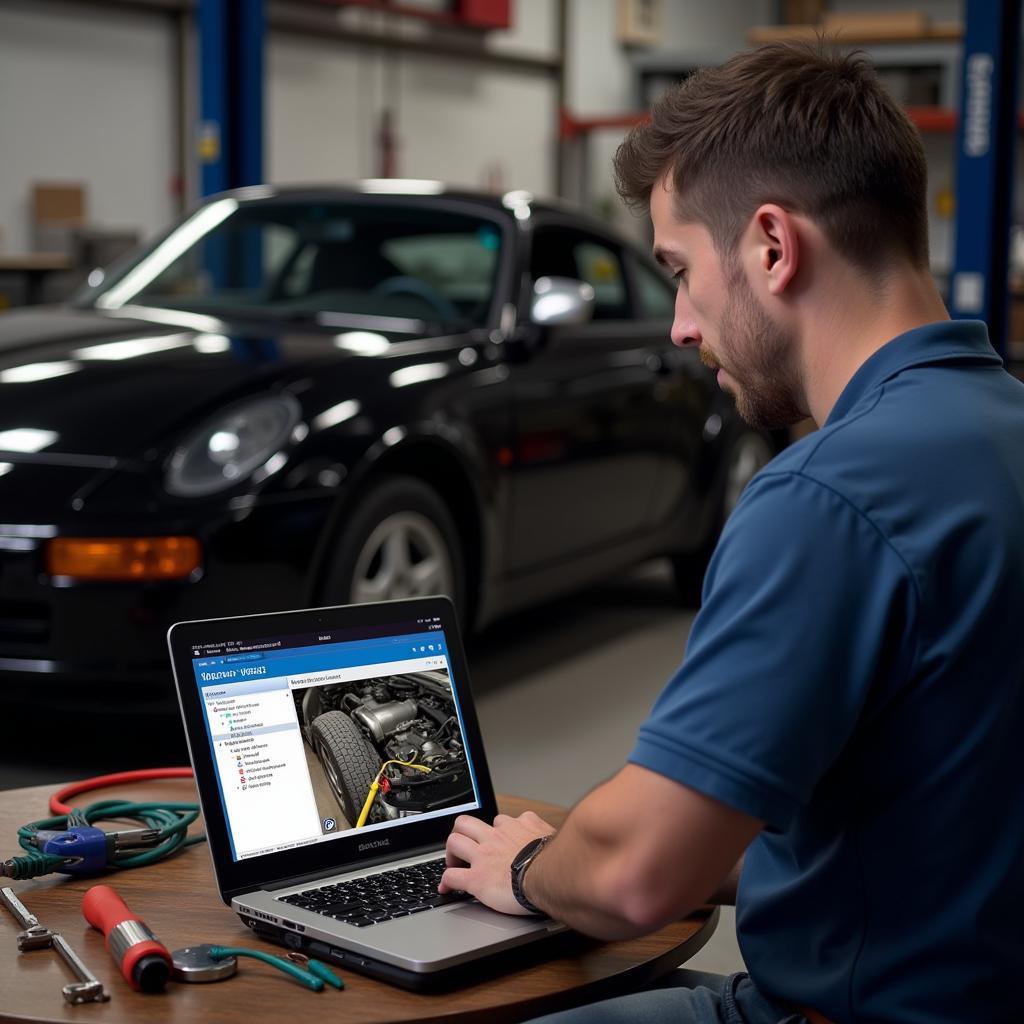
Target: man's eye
(679, 276)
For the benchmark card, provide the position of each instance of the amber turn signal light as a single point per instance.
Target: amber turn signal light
(123, 558)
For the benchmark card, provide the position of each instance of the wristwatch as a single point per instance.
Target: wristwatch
(520, 863)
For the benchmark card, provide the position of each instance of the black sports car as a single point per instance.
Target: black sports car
(305, 397)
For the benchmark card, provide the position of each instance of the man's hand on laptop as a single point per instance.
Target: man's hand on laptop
(479, 857)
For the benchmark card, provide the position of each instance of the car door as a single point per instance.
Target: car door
(589, 410)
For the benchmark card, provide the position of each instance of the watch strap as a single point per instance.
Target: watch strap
(520, 864)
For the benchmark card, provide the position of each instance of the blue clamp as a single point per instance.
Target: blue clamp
(87, 845)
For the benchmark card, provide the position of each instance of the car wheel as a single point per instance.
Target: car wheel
(349, 762)
(400, 541)
(748, 453)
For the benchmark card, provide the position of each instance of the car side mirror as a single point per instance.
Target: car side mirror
(561, 300)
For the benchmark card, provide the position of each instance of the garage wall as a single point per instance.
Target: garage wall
(325, 100)
(86, 95)
(602, 79)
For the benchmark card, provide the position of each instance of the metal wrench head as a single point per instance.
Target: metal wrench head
(85, 992)
(36, 937)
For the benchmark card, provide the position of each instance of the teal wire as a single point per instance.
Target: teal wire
(307, 979)
(170, 820)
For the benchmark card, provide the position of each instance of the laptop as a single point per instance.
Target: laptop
(333, 749)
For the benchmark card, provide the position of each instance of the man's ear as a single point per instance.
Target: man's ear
(776, 246)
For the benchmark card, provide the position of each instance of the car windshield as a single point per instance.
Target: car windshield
(298, 259)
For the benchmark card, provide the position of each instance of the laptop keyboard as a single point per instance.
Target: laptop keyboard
(374, 898)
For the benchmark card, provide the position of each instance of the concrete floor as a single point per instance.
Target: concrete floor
(560, 692)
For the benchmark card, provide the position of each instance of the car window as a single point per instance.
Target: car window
(656, 297)
(561, 252)
(236, 265)
(375, 259)
(459, 266)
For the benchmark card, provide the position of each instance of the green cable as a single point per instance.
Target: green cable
(307, 979)
(170, 821)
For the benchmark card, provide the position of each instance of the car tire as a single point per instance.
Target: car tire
(749, 451)
(399, 541)
(349, 762)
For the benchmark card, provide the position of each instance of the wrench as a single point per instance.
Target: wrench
(88, 988)
(35, 936)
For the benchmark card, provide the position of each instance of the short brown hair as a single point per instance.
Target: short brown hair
(795, 124)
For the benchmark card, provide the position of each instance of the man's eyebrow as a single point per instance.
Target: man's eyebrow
(663, 254)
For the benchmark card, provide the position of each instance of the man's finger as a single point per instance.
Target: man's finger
(472, 827)
(460, 849)
(452, 861)
(454, 880)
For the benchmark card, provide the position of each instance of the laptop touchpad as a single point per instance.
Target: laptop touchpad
(501, 922)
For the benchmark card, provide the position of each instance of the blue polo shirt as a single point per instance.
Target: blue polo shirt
(855, 679)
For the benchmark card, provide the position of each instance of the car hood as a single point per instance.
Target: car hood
(81, 383)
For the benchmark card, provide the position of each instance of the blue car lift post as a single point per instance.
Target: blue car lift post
(986, 147)
(230, 142)
(231, 35)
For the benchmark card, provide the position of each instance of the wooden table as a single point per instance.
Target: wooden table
(178, 900)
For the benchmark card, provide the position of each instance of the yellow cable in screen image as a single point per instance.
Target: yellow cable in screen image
(375, 787)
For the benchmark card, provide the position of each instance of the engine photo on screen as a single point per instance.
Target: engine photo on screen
(384, 748)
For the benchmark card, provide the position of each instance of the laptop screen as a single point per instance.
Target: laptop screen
(320, 735)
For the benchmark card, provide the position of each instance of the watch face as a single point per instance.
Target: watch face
(527, 852)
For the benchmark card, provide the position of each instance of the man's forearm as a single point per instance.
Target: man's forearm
(616, 869)
(573, 880)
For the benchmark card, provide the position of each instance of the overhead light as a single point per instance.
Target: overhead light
(364, 343)
(26, 529)
(400, 186)
(150, 267)
(171, 317)
(336, 414)
(274, 464)
(132, 347)
(26, 439)
(30, 372)
(211, 343)
(248, 192)
(382, 323)
(418, 374)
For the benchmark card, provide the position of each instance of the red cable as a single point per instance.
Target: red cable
(57, 805)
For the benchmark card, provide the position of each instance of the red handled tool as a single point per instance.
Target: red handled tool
(143, 960)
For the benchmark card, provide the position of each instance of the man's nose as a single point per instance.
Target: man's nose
(685, 331)
(684, 324)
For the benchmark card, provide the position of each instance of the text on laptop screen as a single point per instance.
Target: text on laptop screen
(315, 736)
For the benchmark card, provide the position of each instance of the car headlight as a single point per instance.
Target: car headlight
(230, 446)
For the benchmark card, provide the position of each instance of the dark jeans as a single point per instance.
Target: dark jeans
(685, 997)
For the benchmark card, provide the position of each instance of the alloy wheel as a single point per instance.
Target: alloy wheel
(404, 556)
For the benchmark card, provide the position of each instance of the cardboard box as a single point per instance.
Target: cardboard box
(58, 211)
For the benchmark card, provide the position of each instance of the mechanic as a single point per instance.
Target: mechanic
(850, 709)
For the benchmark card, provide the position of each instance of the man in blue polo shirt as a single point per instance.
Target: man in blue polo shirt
(845, 732)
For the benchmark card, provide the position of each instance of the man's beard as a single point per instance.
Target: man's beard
(768, 392)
